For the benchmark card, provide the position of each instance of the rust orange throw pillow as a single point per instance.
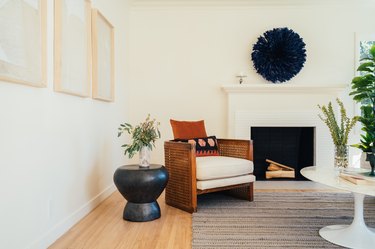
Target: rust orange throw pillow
(188, 129)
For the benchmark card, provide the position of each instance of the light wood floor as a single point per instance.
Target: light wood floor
(104, 228)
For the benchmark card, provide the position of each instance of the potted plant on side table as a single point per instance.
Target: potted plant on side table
(141, 184)
(143, 137)
(363, 92)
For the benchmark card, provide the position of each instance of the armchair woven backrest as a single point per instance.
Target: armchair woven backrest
(236, 148)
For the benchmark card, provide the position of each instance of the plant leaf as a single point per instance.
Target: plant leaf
(366, 66)
(372, 51)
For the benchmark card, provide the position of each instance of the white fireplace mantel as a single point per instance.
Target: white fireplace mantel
(286, 104)
(284, 88)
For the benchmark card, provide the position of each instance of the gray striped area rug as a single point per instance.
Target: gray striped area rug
(273, 220)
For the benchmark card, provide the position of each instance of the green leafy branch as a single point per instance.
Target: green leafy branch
(339, 131)
(144, 134)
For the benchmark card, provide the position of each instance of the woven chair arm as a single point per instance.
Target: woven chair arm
(236, 148)
(178, 145)
(181, 165)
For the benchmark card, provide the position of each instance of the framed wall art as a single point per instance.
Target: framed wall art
(103, 57)
(73, 47)
(23, 42)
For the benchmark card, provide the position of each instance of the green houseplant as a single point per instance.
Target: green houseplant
(363, 92)
(143, 137)
(339, 131)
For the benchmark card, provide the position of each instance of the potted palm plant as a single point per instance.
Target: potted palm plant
(363, 92)
(143, 138)
(339, 130)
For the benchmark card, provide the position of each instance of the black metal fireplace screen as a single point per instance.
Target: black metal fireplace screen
(291, 146)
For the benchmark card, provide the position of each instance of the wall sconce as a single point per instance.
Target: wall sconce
(241, 76)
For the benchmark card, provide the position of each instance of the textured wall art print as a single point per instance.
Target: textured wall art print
(279, 55)
(23, 42)
(73, 47)
(102, 57)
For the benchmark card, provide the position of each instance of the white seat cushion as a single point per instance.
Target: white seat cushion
(215, 167)
(216, 183)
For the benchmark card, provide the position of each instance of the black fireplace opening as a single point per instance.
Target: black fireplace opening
(291, 146)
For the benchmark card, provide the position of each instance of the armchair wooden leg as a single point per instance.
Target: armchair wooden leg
(244, 193)
(251, 192)
(194, 204)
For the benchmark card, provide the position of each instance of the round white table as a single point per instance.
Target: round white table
(357, 234)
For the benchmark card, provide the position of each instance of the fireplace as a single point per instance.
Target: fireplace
(282, 105)
(290, 146)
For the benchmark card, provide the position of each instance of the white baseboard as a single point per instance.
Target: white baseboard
(62, 227)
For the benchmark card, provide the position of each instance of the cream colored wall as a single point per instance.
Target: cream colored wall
(181, 54)
(58, 152)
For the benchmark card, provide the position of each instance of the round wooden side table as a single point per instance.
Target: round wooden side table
(141, 186)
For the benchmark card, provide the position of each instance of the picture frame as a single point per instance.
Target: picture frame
(23, 42)
(103, 57)
(72, 71)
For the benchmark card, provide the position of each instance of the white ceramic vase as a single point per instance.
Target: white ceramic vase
(144, 156)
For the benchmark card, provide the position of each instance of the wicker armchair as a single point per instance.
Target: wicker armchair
(180, 161)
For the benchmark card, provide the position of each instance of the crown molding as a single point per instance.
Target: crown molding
(242, 3)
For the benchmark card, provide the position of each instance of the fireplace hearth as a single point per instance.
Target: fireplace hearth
(291, 146)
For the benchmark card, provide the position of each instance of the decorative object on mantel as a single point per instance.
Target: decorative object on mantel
(144, 136)
(339, 132)
(363, 92)
(241, 76)
(279, 55)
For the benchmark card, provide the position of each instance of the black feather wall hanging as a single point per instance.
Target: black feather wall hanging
(279, 55)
